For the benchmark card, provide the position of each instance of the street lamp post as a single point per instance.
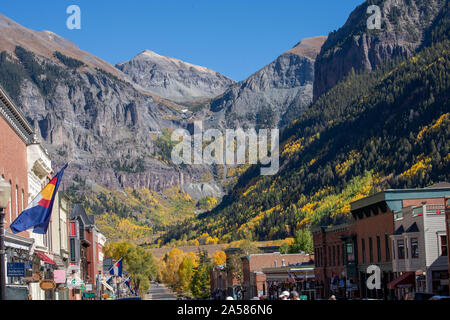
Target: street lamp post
(5, 193)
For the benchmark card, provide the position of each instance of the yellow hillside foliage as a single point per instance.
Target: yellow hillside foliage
(292, 147)
(342, 168)
(418, 167)
(434, 126)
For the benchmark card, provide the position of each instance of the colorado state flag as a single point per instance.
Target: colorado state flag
(116, 269)
(39, 211)
(128, 283)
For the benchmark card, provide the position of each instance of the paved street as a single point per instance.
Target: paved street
(159, 292)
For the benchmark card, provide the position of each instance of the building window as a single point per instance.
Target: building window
(370, 250)
(379, 248)
(334, 255)
(49, 234)
(24, 204)
(393, 249)
(338, 255)
(329, 256)
(322, 257)
(444, 251)
(386, 242)
(350, 254)
(72, 250)
(414, 248)
(363, 247)
(401, 249)
(17, 202)
(10, 206)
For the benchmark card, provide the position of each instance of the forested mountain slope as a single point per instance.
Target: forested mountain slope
(387, 128)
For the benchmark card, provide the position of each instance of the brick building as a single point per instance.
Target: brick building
(335, 260)
(375, 223)
(373, 236)
(16, 134)
(447, 219)
(254, 281)
(86, 253)
(299, 277)
(420, 258)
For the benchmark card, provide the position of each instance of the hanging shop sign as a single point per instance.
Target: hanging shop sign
(59, 276)
(47, 285)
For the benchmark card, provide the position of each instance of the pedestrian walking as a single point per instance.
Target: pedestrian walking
(284, 295)
(295, 295)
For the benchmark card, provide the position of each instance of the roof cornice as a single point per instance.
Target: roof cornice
(15, 117)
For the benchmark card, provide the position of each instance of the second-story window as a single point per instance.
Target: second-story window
(338, 254)
(363, 248)
(386, 242)
(414, 248)
(401, 249)
(379, 248)
(334, 255)
(350, 253)
(17, 201)
(444, 248)
(370, 250)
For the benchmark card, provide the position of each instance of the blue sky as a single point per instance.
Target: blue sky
(233, 37)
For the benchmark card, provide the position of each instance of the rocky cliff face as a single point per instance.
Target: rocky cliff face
(174, 79)
(111, 125)
(107, 128)
(273, 95)
(86, 112)
(404, 26)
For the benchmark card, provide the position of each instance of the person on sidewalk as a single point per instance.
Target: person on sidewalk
(295, 295)
(284, 295)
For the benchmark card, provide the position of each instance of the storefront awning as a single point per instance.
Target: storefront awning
(406, 280)
(45, 258)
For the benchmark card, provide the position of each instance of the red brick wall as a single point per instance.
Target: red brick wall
(13, 168)
(218, 279)
(260, 261)
(371, 227)
(324, 268)
(418, 202)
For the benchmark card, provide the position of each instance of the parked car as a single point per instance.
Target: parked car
(422, 296)
(130, 298)
(440, 298)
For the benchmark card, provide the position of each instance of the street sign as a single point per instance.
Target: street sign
(74, 283)
(16, 269)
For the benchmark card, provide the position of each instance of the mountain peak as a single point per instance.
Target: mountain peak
(174, 79)
(308, 47)
(45, 43)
